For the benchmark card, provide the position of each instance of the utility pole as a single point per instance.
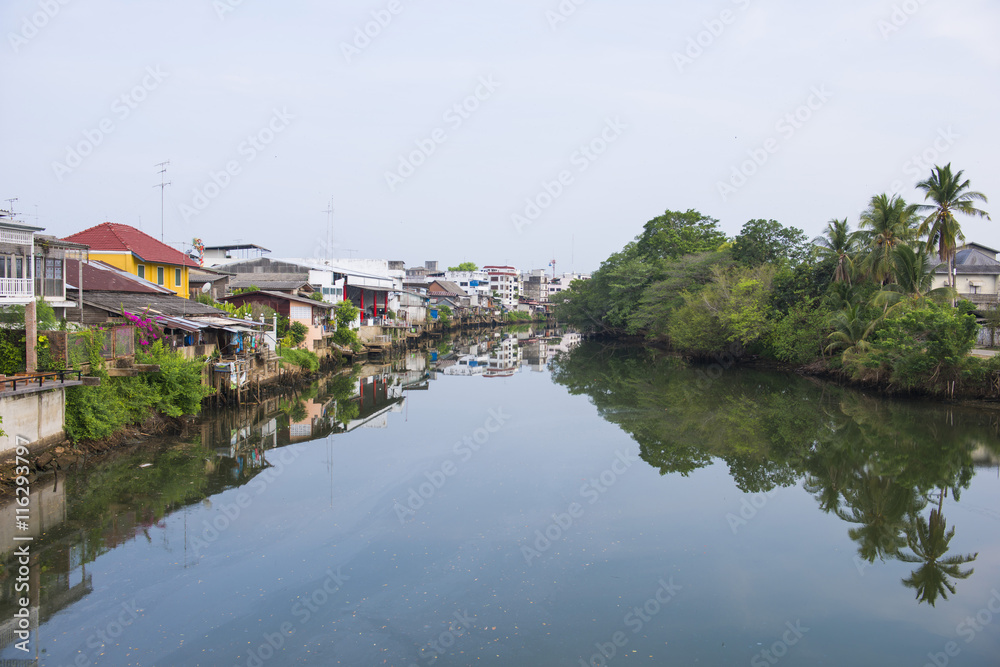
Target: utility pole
(163, 186)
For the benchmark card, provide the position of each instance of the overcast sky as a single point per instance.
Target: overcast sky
(290, 105)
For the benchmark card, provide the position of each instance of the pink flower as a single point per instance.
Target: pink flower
(144, 342)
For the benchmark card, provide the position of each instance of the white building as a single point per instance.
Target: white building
(562, 283)
(505, 283)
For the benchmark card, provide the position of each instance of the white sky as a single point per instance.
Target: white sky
(227, 66)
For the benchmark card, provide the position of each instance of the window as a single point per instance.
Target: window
(159, 275)
(142, 271)
(49, 277)
(177, 277)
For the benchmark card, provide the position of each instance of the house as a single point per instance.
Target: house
(412, 308)
(215, 254)
(977, 274)
(218, 283)
(313, 314)
(138, 253)
(296, 284)
(33, 265)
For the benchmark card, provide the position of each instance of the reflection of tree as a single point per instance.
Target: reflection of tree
(880, 507)
(870, 461)
(928, 539)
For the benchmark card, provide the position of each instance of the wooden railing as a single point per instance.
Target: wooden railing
(16, 288)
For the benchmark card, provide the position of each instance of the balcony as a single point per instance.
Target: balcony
(16, 290)
(980, 299)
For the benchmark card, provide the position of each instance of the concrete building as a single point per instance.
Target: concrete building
(504, 284)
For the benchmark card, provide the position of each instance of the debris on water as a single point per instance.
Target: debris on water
(145, 465)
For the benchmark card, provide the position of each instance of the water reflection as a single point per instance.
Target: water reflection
(883, 467)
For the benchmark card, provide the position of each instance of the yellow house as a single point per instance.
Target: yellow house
(127, 248)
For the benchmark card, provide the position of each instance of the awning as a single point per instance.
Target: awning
(178, 323)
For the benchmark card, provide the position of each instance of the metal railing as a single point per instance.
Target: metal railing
(26, 380)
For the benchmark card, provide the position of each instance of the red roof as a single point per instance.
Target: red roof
(112, 237)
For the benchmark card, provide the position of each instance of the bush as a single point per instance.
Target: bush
(797, 337)
(297, 332)
(304, 359)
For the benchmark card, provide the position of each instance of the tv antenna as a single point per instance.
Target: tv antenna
(329, 228)
(163, 186)
(10, 206)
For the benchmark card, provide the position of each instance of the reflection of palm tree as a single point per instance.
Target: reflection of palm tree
(880, 505)
(928, 539)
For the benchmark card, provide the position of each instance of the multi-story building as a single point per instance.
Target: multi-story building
(562, 283)
(535, 286)
(33, 265)
(138, 253)
(504, 284)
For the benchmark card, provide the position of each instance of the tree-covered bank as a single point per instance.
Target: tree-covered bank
(857, 302)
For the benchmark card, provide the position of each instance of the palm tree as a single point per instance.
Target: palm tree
(950, 194)
(839, 243)
(914, 279)
(850, 330)
(928, 540)
(888, 221)
(880, 505)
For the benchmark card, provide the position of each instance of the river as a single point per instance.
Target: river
(509, 499)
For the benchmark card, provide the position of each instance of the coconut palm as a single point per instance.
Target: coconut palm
(850, 330)
(838, 243)
(888, 222)
(928, 539)
(950, 194)
(880, 505)
(914, 279)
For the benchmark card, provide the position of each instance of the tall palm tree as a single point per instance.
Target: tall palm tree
(928, 539)
(839, 243)
(888, 222)
(950, 194)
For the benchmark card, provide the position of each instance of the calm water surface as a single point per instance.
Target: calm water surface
(613, 507)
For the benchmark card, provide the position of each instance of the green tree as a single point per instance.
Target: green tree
(674, 234)
(839, 244)
(887, 222)
(768, 242)
(949, 194)
(914, 279)
(464, 266)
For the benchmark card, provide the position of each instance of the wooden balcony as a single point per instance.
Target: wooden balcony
(16, 290)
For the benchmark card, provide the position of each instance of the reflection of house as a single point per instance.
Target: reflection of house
(313, 314)
(505, 359)
(138, 253)
(977, 274)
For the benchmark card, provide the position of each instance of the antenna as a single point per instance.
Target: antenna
(329, 227)
(10, 207)
(163, 186)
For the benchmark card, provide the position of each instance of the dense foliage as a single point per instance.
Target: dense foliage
(861, 302)
(100, 411)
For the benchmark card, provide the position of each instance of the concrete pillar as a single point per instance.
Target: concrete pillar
(30, 337)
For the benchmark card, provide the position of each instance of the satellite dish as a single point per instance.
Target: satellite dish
(206, 288)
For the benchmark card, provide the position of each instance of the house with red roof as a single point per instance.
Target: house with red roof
(138, 253)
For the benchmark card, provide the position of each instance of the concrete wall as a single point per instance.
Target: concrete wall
(39, 417)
